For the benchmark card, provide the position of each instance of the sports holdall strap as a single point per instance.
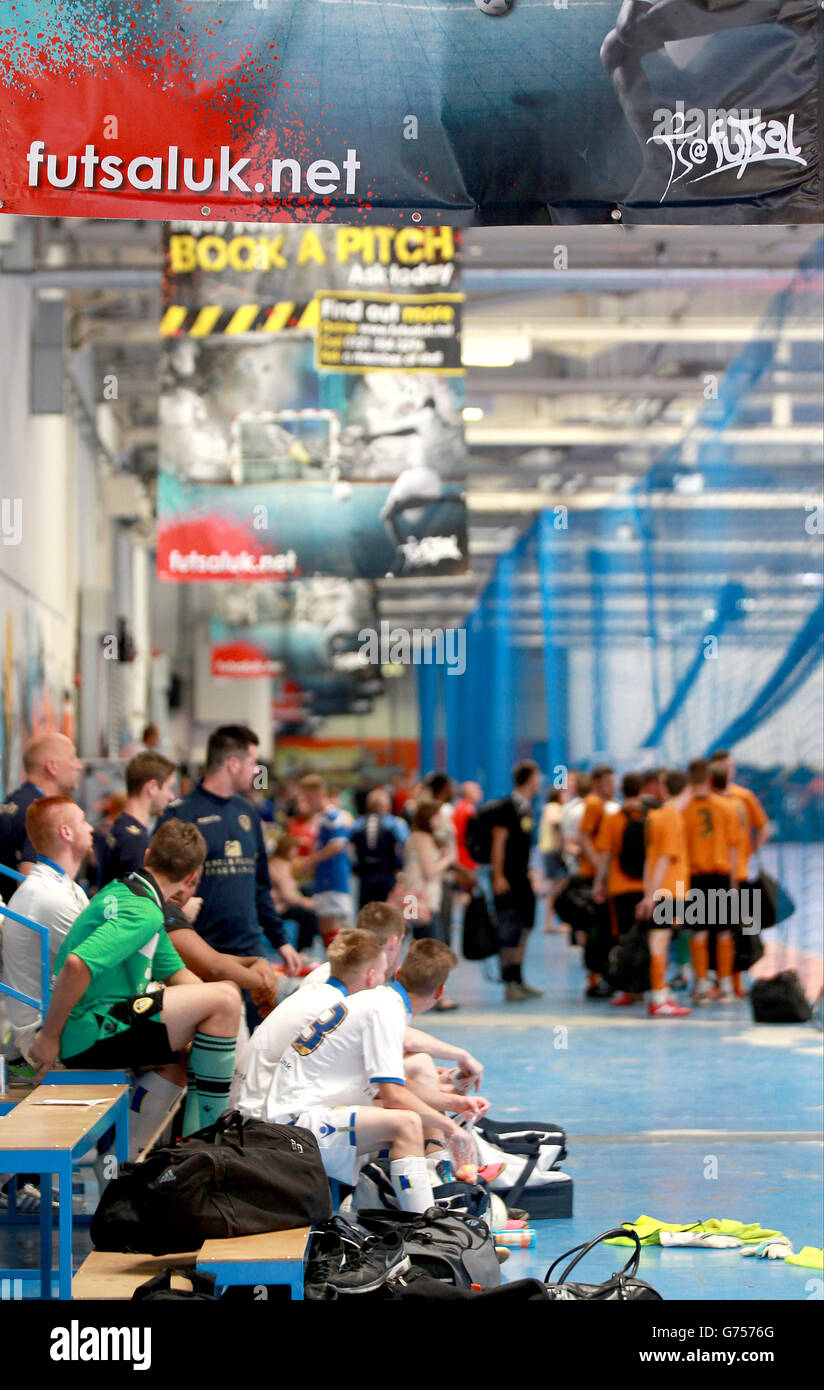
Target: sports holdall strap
(162, 1282)
(629, 1270)
(513, 1196)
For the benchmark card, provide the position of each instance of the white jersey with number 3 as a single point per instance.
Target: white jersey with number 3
(257, 1069)
(348, 1049)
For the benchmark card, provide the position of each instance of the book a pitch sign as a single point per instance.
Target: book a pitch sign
(553, 111)
(272, 470)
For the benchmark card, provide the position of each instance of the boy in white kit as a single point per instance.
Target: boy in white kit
(342, 1077)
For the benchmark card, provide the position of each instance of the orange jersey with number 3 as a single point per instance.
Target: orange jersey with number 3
(712, 828)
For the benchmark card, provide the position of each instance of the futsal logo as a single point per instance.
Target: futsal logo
(702, 145)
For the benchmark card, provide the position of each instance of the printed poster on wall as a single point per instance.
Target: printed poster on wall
(366, 111)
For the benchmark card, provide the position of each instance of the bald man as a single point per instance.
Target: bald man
(376, 844)
(61, 838)
(51, 768)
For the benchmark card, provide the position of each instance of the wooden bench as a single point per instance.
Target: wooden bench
(275, 1257)
(45, 1133)
(113, 1276)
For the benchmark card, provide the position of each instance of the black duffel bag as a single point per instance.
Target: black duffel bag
(623, 1287)
(575, 905)
(480, 934)
(629, 961)
(780, 999)
(237, 1177)
(774, 902)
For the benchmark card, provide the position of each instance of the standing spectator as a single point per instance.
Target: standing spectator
(424, 867)
(666, 877)
(713, 834)
(758, 821)
(150, 786)
(301, 825)
(514, 896)
(464, 809)
(619, 881)
(329, 860)
(550, 846)
(61, 836)
(288, 899)
(596, 804)
(579, 787)
(235, 888)
(52, 768)
(377, 842)
(151, 739)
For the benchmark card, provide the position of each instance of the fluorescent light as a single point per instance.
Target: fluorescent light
(495, 350)
(472, 412)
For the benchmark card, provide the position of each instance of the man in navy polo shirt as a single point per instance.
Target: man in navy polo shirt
(235, 889)
(52, 767)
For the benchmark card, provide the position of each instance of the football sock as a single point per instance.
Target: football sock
(213, 1063)
(700, 955)
(658, 977)
(191, 1109)
(411, 1181)
(725, 955)
(681, 949)
(510, 974)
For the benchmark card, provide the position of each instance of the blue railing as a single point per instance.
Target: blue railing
(45, 956)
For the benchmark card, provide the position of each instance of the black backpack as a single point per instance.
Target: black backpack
(478, 833)
(237, 1177)
(629, 962)
(480, 935)
(448, 1246)
(633, 850)
(780, 1000)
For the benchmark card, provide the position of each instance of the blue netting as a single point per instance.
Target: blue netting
(683, 616)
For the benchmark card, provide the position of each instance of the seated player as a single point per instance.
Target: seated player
(342, 1078)
(356, 961)
(123, 997)
(388, 924)
(60, 836)
(150, 786)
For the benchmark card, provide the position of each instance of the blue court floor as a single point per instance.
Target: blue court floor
(683, 1120)
(648, 1105)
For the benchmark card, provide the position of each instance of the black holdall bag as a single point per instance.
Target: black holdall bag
(478, 832)
(546, 1194)
(774, 903)
(447, 1245)
(237, 1177)
(623, 1287)
(629, 961)
(480, 936)
(780, 1000)
(159, 1288)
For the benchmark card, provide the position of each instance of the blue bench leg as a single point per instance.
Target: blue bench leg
(45, 1235)
(65, 1231)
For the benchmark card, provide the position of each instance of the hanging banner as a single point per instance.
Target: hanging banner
(388, 332)
(226, 278)
(305, 629)
(269, 470)
(317, 111)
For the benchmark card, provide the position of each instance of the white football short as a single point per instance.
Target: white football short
(334, 1128)
(332, 904)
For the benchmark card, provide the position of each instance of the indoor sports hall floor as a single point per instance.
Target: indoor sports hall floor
(647, 1106)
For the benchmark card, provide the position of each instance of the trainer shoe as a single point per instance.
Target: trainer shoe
(668, 1008)
(600, 991)
(531, 991)
(380, 1260)
(622, 1000)
(679, 981)
(515, 992)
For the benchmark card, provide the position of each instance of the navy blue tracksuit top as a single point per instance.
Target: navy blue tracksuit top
(235, 886)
